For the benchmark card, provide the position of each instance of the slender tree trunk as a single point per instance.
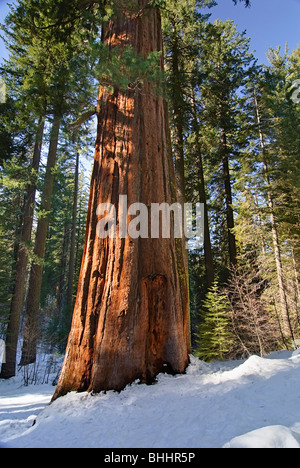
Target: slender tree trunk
(287, 327)
(178, 121)
(228, 199)
(177, 98)
(208, 254)
(72, 246)
(80, 229)
(36, 273)
(297, 286)
(285, 315)
(61, 290)
(131, 316)
(9, 368)
(263, 244)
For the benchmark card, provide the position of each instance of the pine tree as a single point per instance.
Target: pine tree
(26, 131)
(8, 369)
(225, 59)
(40, 65)
(65, 74)
(215, 337)
(61, 271)
(270, 112)
(183, 26)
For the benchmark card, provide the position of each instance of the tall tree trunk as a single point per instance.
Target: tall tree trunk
(208, 255)
(9, 368)
(36, 273)
(131, 316)
(287, 327)
(61, 289)
(228, 199)
(177, 99)
(285, 315)
(296, 287)
(72, 246)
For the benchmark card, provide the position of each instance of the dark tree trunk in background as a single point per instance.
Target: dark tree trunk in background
(36, 273)
(208, 253)
(228, 200)
(9, 368)
(72, 246)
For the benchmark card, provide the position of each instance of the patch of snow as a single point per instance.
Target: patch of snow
(296, 355)
(267, 437)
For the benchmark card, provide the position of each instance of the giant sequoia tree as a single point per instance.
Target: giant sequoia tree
(131, 314)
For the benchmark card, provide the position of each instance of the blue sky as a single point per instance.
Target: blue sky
(268, 23)
(3, 12)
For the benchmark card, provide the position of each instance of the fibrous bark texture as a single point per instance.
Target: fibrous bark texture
(131, 314)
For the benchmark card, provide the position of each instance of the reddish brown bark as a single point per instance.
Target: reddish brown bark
(131, 314)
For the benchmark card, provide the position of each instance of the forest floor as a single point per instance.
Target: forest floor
(253, 403)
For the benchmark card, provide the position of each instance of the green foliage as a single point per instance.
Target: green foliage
(54, 308)
(158, 3)
(215, 337)
(127, 69)
(11, 207)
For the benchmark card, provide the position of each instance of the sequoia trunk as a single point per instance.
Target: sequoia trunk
(131, 315)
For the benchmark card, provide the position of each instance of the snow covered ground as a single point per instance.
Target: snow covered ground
(243, 404)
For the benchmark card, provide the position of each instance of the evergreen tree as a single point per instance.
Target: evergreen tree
(268, 175)
(52, 65)
(225, 59)
(215, 336)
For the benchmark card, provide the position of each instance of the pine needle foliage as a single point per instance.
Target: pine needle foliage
(214, 332)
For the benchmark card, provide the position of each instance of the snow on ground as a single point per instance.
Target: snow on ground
(237, 404)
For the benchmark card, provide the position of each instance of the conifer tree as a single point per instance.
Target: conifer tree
(215, 337)
(51, 78)
(272, 117)
(29, 119)
(224, 61)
